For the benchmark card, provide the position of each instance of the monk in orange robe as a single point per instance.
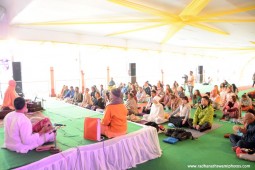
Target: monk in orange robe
(10, 95)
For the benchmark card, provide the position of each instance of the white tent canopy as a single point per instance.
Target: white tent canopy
(170, 36)
(208, 23)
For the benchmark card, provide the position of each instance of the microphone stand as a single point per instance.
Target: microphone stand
(55, 149)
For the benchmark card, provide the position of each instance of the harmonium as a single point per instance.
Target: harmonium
(34, 106)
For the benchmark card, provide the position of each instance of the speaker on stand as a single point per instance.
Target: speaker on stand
(132, 68)
(16, 68)
(200, 74)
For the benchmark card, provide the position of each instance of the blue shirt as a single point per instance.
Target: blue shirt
(69, 94)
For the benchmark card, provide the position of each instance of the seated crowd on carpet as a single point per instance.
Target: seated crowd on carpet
(159, 104)
(154, 103)
(135, 97)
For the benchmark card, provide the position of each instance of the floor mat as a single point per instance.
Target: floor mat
(197, 134)
(144, 121)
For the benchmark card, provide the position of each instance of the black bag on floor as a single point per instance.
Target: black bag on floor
(153, 124)
(174, 132)
(179, 133)
(185, 135)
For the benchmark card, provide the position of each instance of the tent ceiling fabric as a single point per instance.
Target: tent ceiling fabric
(188, 23)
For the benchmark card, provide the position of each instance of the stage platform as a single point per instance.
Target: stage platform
(138, 146)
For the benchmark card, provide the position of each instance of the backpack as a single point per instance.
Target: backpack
(185, 135)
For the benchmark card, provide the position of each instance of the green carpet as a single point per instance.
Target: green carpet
(67, 137)
(210, 149)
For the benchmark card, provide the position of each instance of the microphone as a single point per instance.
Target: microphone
(58, 124)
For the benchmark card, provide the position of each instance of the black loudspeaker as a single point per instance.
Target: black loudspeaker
(132, 68)
(16, 68)
(200, 69)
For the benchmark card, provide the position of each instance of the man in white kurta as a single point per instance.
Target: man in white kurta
(157, 112)
(18, 135)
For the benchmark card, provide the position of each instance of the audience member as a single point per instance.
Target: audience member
(86, 102)
(147, 88)
(98, 103)
(69, 95)
(209, 80)
(102, 91)
(231, 109)
(131, 104)
(174, 102)
(235, 89)
(251, 94)
(246, 102)
(77, 97)
(93, 93)
(175, 87)
(141, 95)
(134, 91)
(147, 108)
(215, 97)
(157, 112)
(183, 112)
(203, 117)
(248, 139)
(180, 92)
(166, 98)
(111, 84)
(225, 83)
(196, 100)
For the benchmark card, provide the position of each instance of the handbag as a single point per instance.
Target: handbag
(92, 129)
